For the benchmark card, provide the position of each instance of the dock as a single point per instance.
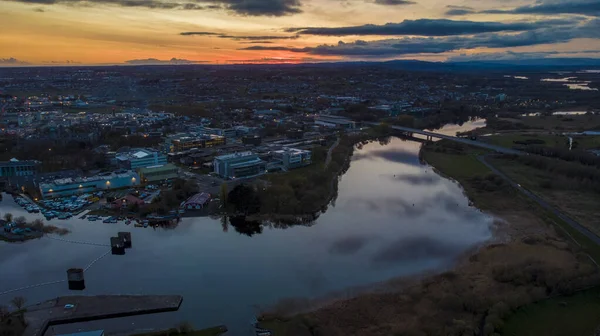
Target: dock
(72, 309)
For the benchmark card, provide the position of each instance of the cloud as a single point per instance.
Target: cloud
(435, 45)
(416, 248)
(588, 8)
(417, 179)
(242, 37)
(348, 245)
(154, 61)
(11, 61)
(459, 10)
(241, 7)
(394, 2)
(428, 27)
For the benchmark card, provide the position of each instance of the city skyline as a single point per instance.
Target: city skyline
(62, 32)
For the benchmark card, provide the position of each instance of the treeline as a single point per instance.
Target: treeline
(565, 154)
(569, 175)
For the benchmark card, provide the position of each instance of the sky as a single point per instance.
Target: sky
(47, 32)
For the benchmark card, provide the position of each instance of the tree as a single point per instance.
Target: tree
(224, 194)
(3, 312)
(18, 302)
(37, 224)
(8, 217)
(244, 199)
(20, 220)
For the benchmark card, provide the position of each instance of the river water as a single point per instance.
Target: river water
(393, 217)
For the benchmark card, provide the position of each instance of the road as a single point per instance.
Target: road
(330, 151)
(574, 224)
(495, 148)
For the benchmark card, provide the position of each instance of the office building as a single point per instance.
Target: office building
(82, 185)
(16, 168)
(158, 173)
(184, 142)
(239, 165)
(335, 122)
(292, 158)
(140, 158)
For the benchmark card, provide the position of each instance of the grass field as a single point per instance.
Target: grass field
(580, 313)
(550, 140)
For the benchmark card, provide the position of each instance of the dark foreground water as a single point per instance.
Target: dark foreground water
(393, 217)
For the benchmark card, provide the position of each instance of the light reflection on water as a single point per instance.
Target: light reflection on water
(393, 217)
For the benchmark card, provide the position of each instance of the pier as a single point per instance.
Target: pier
(88, 308)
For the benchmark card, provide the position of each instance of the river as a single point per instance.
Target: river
(393, 217)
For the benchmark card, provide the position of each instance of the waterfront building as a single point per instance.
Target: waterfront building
(334, 121)
(292, 158)
(83, 185)
(158, 173)
(17, 168)
(140, 158)
(239, 165)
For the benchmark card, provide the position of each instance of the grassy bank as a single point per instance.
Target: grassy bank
(580, 311)
(527, 262)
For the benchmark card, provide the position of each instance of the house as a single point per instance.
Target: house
(197, 201)
(126, 201)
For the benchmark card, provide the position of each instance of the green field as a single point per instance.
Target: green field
(550, 140)
(576, 315)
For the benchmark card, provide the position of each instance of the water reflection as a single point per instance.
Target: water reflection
(392, 217)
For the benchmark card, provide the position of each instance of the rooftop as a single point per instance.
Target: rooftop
(235, 155)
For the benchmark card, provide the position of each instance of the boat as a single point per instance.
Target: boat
(63, 216)
(106, 221)
(127, 222)
(92, 218)
(145, 223)
(138, 224)
(181, 211)
(83, 217)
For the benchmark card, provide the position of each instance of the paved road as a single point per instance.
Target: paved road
(330, 151)
(495, 148)
(574, 224)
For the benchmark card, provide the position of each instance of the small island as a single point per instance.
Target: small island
(19, 230)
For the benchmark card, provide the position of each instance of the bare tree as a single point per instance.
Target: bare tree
(18, 302)
(20, 220)
(8, 217)
(3, 312)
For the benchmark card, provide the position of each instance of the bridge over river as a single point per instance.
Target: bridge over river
(431, 135)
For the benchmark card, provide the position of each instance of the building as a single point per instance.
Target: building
(140, 158)
(292, 158)
(255, 140)
(16, 168)
(184, 142)
(82, 185)
(334, 121)
(158, 173)
(196, 202)
(228, 133)
(239, 165)
(126, 201)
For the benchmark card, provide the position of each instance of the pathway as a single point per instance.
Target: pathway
(330, 152)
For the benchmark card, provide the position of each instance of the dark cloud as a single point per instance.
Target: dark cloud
(426, 27)
(11, 61)
(241, 7)
(348, 245)
(199, 33)
(589, 8)
(154, 61)
(458, 10)
(515, 56)
(394, 2)
(39, 10)
(257, 42)
(415, 248)
(417, 179)
(391, 154)
(420, 45)
(243, 37)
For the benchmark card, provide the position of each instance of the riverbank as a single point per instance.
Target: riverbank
(526, 261)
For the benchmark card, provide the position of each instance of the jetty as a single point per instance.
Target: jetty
(72, 309)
